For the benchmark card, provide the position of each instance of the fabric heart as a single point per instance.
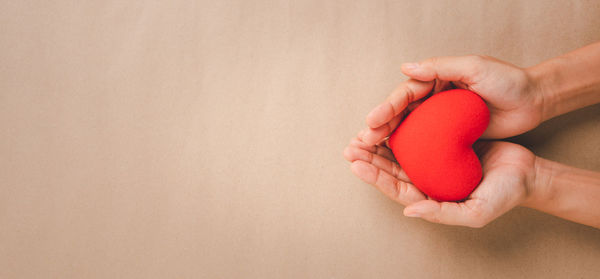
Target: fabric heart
(434, 144)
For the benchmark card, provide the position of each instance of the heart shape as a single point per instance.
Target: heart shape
(434, 144)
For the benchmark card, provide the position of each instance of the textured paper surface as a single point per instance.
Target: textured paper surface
(203, 139)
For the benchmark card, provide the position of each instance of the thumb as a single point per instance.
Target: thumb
(465, 69)
(449, 213)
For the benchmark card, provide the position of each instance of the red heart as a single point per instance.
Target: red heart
(434, 144)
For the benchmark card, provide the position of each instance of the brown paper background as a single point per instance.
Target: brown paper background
(203, 139)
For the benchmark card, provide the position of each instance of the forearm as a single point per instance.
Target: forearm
(568, 82)
(567, 192)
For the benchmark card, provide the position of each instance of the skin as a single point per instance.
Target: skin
(519, 100)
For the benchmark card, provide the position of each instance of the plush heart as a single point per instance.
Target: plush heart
(434, 144)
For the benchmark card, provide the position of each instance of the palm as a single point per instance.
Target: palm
(506, 169)
(508, 92)
(505, 166)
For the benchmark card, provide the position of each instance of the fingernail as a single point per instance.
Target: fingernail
(411, 66)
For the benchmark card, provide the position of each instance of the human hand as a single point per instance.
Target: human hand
(519, 100)
(512, 95)
(508, 175)
(376, 165)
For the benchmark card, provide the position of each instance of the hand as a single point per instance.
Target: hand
(512, 95)
(376, 165)
(508, 174)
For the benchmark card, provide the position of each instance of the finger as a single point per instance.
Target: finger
(377, 135)
(465, 69)
(398, 190)
(439, 86)
(469, 213)
(406, 93)
(354, 153)
(377, 149)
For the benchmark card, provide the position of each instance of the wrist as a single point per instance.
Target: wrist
(539, 188)
(567, 82)
(564, 191)
(541, 78)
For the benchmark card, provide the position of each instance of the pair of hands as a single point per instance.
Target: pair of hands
(516, 105)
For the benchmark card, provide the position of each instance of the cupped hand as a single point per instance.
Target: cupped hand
(512, 95)
(376, 165)
(508, 173)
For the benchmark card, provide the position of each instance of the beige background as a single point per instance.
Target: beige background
(203, 139)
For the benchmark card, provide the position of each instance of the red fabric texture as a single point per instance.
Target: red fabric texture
(434, 144)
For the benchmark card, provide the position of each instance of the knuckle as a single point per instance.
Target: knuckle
(474, 64)
(475, 61)
(377, 179)
(400, 189)
(369, 156)
(395, 170)
(477, 58)
(432, 60)
(409, 89)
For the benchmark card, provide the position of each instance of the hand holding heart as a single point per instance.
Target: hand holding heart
(512, 96)
(437, 169)
(514, 107)
(507, 177)
(433, 144)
